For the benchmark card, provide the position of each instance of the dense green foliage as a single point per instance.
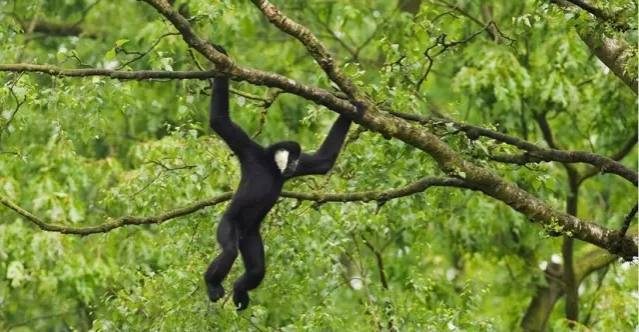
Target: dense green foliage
(82, 151)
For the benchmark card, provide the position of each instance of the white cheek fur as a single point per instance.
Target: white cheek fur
(281, 159)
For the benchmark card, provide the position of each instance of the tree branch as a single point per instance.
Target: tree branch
(140, 55)
(375, 120)
(570, 286)
(365, 196)
(226, 66)
(319, 96)
(115, 74)
(622, 153)
(471, 17)
(62, 28)
(615, 53)
(545, 298)
(534, 153)
(627, 220)
(601, 14)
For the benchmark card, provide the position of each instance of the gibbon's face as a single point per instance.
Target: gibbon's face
(285, 161)
(285, 154)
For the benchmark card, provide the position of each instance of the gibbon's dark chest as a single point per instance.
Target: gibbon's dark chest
(256, 194)
(260, 184)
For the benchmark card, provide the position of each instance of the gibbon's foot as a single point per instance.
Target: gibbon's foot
(219, 49)
(215, 292)
(241, 299)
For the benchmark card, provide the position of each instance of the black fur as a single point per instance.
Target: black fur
(260, 186)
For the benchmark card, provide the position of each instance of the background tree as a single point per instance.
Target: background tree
(495, 134)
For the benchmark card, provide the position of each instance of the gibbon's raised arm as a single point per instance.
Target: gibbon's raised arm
(323, 160)
(220, 120)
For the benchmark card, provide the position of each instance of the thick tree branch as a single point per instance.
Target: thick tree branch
(449, 161)
(62, 28)
(117, 223)
(572, 206)
(497, 188)
(616, 54)
(226, 66)
(571, 286)
(366, 196)
(545, 297)
(319, 96)
(115, 74)
(534, 153)
(591, 262)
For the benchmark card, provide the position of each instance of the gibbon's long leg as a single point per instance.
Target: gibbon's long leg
(252, 250)
(227, 237)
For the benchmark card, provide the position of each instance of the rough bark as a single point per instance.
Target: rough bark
(601, 14)
(535, 154)
(373, 119)
(62, 28)
(615, 54)
(389, 126)
(571, 286)
(365, 196)
(545, 298)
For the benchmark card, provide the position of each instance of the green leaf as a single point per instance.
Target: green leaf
(121, 42)
(110, 55)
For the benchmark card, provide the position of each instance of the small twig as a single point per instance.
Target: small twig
(140, 55)
(74, 55)
(147, 185)
(253, 324)
(114, 74)
(626, 221)
(471, 17)
(448, 12)
(197, 63)
(397, 234)
(16, 109)
(595, 298)
(260, 125)
(334, 35)
(374, 33)
(156, 162)
(441, 41)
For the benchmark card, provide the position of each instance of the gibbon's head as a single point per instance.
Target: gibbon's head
(285, 156)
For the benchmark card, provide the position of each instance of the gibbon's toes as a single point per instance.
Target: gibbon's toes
(215, 292)
(219, 49)
(241, 300)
